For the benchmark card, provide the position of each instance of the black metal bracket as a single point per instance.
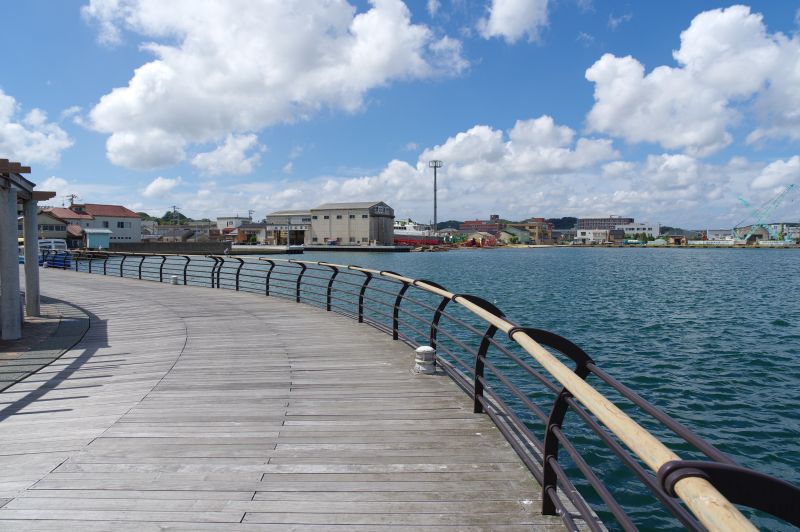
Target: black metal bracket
(269, 274)
(186, 269)
(161, 269)
(483, 348)
(239, 269)
(367, 279)
(303, 268)
(329, 292)
(739, 485)
(396, 311)
(559, 409)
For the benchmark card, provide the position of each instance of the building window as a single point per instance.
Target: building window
(364, 239)
(314, 239)
(326, 217)
(352, 216)
(120, 225)
(338, 216)
(314, 217)
(365, 216)
(352, 239)
(105, 224)
(306, 220)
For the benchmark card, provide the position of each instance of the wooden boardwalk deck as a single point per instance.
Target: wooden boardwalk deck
(197, 409)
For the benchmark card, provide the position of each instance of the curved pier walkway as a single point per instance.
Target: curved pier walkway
(197, 409)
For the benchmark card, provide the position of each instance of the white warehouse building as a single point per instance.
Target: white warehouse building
(637, 228)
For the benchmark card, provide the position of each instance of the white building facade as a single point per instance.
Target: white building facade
(232, 222)
(652, 230)
(591, 236)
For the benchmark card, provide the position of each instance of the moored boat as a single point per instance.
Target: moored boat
(410, 233)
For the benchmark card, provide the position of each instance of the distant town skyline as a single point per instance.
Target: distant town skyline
(666, 112)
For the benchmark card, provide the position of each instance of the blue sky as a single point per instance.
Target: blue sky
(665, 111)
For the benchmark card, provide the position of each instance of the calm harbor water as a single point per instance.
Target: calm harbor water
(711, 336)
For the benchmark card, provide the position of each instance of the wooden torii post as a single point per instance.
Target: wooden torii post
(14, 188)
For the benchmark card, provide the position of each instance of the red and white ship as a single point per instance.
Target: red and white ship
(410, 233)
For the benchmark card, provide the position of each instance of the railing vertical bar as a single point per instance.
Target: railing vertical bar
(161, 269)
(367, 279)
(299, 280)
(269, 274)
(396, 311)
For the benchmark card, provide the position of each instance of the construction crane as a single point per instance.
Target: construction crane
(761, 214)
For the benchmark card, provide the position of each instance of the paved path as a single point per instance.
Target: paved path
(197, 409)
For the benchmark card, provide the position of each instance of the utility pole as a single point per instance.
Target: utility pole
(72, 198)
(175, 222)
(434, 164)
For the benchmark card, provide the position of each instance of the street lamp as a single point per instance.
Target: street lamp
(434, 164)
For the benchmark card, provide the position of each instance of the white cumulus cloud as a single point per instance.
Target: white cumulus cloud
(29, 139)
(514, 19)
(779, 173)
(230, 158)
(285, 60)
(726, 59)
(161, 186)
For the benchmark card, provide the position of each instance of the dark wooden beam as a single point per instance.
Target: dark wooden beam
(43, 195)
(9, 167)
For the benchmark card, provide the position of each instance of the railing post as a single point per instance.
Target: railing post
(121, 264)
(483, 348)
(367, 279)
(161, 269)
(299, 279)
(435, 321)
(214, 277)
(329, 293)
(559, 410)
(396, 311)
(90, 263)
(436, 315)
(269, 274)
(105, 265)
(186, 269)
(219, 271)
(239, 269)
(141, 262)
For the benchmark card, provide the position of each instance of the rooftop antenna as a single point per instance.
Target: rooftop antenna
(250, 214)
(72, 198)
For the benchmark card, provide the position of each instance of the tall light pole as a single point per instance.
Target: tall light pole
(434, 164)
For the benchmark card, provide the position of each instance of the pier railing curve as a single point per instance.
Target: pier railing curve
(700, 494)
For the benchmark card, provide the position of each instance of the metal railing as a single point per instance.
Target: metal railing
(523, 382)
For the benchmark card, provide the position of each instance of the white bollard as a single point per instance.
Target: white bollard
(425, 360)
(173, 279)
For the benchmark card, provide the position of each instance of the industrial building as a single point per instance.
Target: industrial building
(359, 223)
(633, 229)
(611, 222)
(287, 227)
(541, 232)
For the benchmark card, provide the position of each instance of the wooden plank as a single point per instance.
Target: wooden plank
(188, 408)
